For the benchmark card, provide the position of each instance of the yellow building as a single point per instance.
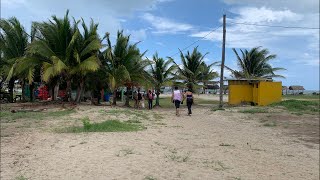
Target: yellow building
(257, 92)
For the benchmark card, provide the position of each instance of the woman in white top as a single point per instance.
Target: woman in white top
(176, 98)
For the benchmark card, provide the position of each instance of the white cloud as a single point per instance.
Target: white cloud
(305, 6)
(12, 3)
(137, 35)
(287, 43)
(166, 26)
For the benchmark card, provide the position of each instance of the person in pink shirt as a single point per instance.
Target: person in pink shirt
(176, 98)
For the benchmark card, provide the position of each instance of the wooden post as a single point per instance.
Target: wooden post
(222, 60)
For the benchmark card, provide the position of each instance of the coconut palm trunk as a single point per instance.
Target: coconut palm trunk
(23, 97)
(31, 92)
(55, 91)
(114, 101)
(10, 87)
(127, 103)
(68, 90)
(80, 90)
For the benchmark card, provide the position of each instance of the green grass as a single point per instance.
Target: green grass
(254, 111)
(106, 126)
(8, 116)
(217, 108)
(302, 96)
(270, 124)
(299, 106)
(20, 178)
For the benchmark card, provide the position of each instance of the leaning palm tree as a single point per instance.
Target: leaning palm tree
(190, 71)
(125, 65)
(255, 64)
(162, 73)
(13, 43)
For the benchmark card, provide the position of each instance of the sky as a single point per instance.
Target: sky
(165, 26)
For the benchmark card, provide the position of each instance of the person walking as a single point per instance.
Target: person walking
(188, 94)
(150, 96)
(176, 98)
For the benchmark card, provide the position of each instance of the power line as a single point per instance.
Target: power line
(196, 41)
(265, 25)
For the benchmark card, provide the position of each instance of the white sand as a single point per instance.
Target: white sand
(173, 148)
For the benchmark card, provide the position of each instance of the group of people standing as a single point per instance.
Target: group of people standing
(140, 97)
(178, 97)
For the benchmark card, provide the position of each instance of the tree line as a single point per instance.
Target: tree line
(66, 53)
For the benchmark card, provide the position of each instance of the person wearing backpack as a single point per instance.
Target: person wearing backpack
(150, 96)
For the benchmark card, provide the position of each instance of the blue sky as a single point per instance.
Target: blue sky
(166, 25)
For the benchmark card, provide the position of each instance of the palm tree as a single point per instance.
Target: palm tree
(13, 43)
(255, 64)
(162, 73)
(207, 73)
(86, 55)
(125, 65)
(55, 49)
(191, 68)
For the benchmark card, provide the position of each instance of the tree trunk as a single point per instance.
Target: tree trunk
(79, 90)
(23, 96)
(68, 90)
(55, 91)
(114, 102)
(127, 97)
(157, 99)
(10, 87)
(31, 92)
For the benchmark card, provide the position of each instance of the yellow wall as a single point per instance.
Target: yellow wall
(239, 91)
(269, 92)
(261, 93)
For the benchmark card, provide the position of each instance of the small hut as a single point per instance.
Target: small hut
(298, 89)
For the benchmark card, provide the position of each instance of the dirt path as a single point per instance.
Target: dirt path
(208, 145)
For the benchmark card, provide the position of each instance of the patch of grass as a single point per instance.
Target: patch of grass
(254, 111)
(149, 178)
(106, 126)
(133, 121)
(8, 116)
(301, 96)
(299, 106)
(223, 144)
(217, 109)
(270, 124)
(20, 178)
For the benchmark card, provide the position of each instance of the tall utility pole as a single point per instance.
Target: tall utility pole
(222, 60)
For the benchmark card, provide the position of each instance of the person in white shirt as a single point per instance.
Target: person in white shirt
(176, 98)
